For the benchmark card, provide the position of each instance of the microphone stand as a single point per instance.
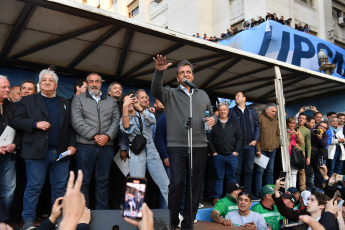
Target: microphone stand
(188, 124)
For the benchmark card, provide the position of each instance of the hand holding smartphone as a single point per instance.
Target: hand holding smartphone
(320, 161)
(135, 188)
(281, 175)
(131, 91)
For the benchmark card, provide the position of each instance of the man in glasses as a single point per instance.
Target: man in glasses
(245, 217)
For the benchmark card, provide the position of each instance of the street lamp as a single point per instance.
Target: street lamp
(325, 66)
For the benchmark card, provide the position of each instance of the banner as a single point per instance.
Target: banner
(274, 40)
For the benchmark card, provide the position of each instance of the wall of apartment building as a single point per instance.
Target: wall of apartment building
(214, 17)
(338, 28)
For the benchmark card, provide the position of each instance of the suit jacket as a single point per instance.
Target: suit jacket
(35, 141)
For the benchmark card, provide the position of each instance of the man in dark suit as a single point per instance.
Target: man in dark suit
(45, 120)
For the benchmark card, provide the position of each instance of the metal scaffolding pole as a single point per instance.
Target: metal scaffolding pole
(284, 144)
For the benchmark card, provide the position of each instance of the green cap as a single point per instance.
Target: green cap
(268, 189)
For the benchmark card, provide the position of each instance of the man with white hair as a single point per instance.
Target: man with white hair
(45, 120)
(7, 162)
(267, 145)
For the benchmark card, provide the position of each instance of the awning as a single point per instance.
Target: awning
(79, 39)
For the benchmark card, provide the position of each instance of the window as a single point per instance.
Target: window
(336, 13)
(134, 12)
(133, 8)
(308, 2)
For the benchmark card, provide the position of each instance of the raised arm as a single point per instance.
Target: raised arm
(157, 88)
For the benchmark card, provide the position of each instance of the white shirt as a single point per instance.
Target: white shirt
(186, 91)
(241, 108)
(97, 98)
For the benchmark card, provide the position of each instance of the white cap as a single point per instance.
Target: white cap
(305, 196)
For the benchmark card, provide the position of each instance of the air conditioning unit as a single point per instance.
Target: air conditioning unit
(341, 21)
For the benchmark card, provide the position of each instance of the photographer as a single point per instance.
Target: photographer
(319, 140)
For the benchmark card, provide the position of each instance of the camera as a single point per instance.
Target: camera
(317, 131)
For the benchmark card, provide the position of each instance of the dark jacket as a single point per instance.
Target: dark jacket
(35, 141)
(225, 141)
(234, 114)
(161, 136)
(318, 146)
(8, 112)
(48, 225)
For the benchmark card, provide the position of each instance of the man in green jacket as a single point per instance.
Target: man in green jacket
(226, 204)
(267, 207)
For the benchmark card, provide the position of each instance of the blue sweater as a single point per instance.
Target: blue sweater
(53, 109)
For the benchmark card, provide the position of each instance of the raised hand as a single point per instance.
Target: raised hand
(161, 63)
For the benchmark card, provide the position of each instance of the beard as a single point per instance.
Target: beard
(95, 91)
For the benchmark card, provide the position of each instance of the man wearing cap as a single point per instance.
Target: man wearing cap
(227, 204)
(245, 217)
(267, 207)
(294, 191)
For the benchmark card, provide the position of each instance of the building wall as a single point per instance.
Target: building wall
(215, 16)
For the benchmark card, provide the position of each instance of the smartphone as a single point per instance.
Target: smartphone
(337, 194)
(296, 129)
(320, 161)
(52, 68)
(131, 91)
(340, 203)
(135, 188)
(295, 226)
(307, 107)
(282, 174)
(339, 178)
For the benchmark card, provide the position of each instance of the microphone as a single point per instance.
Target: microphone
(191, 85)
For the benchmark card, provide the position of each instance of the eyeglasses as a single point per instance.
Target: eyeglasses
(244, 193)
(323, 126)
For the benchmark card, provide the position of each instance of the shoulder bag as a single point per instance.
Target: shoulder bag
(139, 141)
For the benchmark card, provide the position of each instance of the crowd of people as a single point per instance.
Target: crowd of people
(252, 23)
(54, 135)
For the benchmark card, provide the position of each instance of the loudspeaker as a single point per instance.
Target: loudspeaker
(113, 220)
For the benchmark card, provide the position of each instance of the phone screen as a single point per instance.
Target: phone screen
(131, 91)
(134, 197)
(320, 161)
(282, 174)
